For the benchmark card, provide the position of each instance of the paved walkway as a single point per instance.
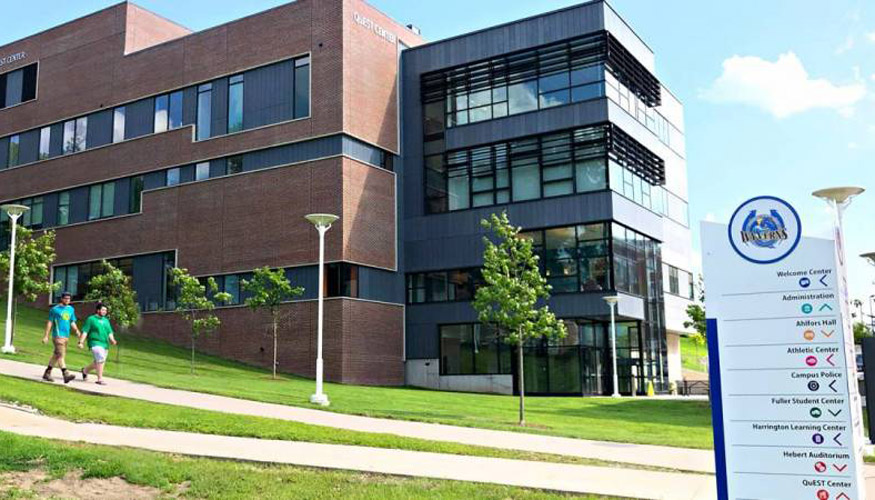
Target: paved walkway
(628, 483)
(681, 459)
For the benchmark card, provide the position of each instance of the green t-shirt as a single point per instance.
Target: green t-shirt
(98, 330)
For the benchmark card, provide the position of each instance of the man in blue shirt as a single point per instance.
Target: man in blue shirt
(61, 318)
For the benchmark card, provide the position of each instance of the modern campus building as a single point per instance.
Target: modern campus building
(146, 144)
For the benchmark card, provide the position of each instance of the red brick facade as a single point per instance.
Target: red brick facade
(235, 223)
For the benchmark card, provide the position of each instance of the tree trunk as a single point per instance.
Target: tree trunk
(275, 320)
(522, 383)
(191, 367)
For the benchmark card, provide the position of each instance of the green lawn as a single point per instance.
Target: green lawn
(220, 479)
(66, 403)
(693, 356)
(639, 420)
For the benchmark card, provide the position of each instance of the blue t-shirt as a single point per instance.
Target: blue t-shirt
(61, 317)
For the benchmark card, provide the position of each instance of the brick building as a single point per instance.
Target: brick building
(205, 150)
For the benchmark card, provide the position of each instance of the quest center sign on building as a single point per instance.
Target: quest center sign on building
(787, 415)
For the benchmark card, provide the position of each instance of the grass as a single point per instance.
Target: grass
(219, 479)
(639, 420)
(69, 404)
(693, 356)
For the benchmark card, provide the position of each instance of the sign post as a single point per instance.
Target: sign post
(784, 390)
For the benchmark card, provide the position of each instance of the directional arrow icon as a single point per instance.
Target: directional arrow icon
(832, 386)
(825, 306)
(823, 280)
(829, 360)
(842, 496)
(827, 335)
(836, 439)
(834, 413)
(840, 469)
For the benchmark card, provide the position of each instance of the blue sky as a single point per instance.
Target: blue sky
(779, 95)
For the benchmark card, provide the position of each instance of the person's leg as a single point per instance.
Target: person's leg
(100, 371)
(53, 361)
(62, 354)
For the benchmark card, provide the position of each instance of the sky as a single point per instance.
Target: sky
(779, 96)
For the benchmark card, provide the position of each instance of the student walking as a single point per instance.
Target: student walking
(62, 317)
(98, 332)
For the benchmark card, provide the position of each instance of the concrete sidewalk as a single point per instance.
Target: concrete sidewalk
(629, 483)
(681, 459)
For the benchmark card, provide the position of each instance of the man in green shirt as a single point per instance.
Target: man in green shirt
(98, 332)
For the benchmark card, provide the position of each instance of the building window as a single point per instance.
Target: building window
(473, 349)
(673, 285)
(234, 165)
(118, 124)
(101, 201)
(75, 134)
(33, 218)
(235, 104)
(443, 286)
(574, 258)
(135, 201)
(678, 282)
(168, 111)
(160, 119)
(64, 208)
(341, 280)
(204, 110)
(45, 139)
(75, 278)
(172, 177)
(302, 87)
(18, 86)
(202, 171)
(13, 154)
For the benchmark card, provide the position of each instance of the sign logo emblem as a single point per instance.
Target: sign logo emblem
(764, 230)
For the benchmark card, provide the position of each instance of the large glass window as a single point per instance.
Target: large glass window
(234, 165)
(45, 139)
(18, 86)
(204, 110)
(302, 87)
(75, 134)
(202, 171)
(172, 177)
(168, 111)
(235, 104)
(118, 124)
(33, 218)
(135, 200)
(160, 119)
(14, 148)
(574, 258)
(443, 286)
(101, 201)
(75, 278)
(64, 208)
(473, 349)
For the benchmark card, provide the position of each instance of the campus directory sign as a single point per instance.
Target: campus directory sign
(787, 415)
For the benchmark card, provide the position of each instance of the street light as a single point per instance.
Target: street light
(14, 212)
(322, 222)
(612, 303)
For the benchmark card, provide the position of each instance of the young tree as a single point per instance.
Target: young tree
(114, 289)
(195, 306)
(513, 288)
(696, 313)
(861, 331)
(34, 256)
(269, 289)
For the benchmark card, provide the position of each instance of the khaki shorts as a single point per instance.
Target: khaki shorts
(60, 347)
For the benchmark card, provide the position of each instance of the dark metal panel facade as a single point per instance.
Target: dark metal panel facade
(139, 118)
(28, 146)
(268, 94)
(99, 129)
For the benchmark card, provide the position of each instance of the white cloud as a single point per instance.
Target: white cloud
(782, 88)
(871, 36)
(847, 45)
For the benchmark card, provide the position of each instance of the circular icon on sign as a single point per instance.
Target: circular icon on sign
(811, 361)
(820, 467)
(807, 308)
(815, 412)
(764, 230)
(817, 438)
(813, 386)
(822, 495)
(804, 282)
(809, 335)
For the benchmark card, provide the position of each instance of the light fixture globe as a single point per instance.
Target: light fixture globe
(611, 299)
(839, 195)
(869, 256)
(14, 210)
(321, 220)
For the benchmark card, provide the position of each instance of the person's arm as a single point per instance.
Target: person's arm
(83, 334)
(48, 331)
(112, 339)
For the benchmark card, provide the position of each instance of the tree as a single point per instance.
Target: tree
(696, 315)
(268, 289)
(194, 304)
(114, 289)
(861, 331)
(511, 293)
(34, 256)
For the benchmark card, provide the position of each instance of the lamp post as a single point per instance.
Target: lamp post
(322, 222)
(14, 212)
(838, 198)
(612, 303)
